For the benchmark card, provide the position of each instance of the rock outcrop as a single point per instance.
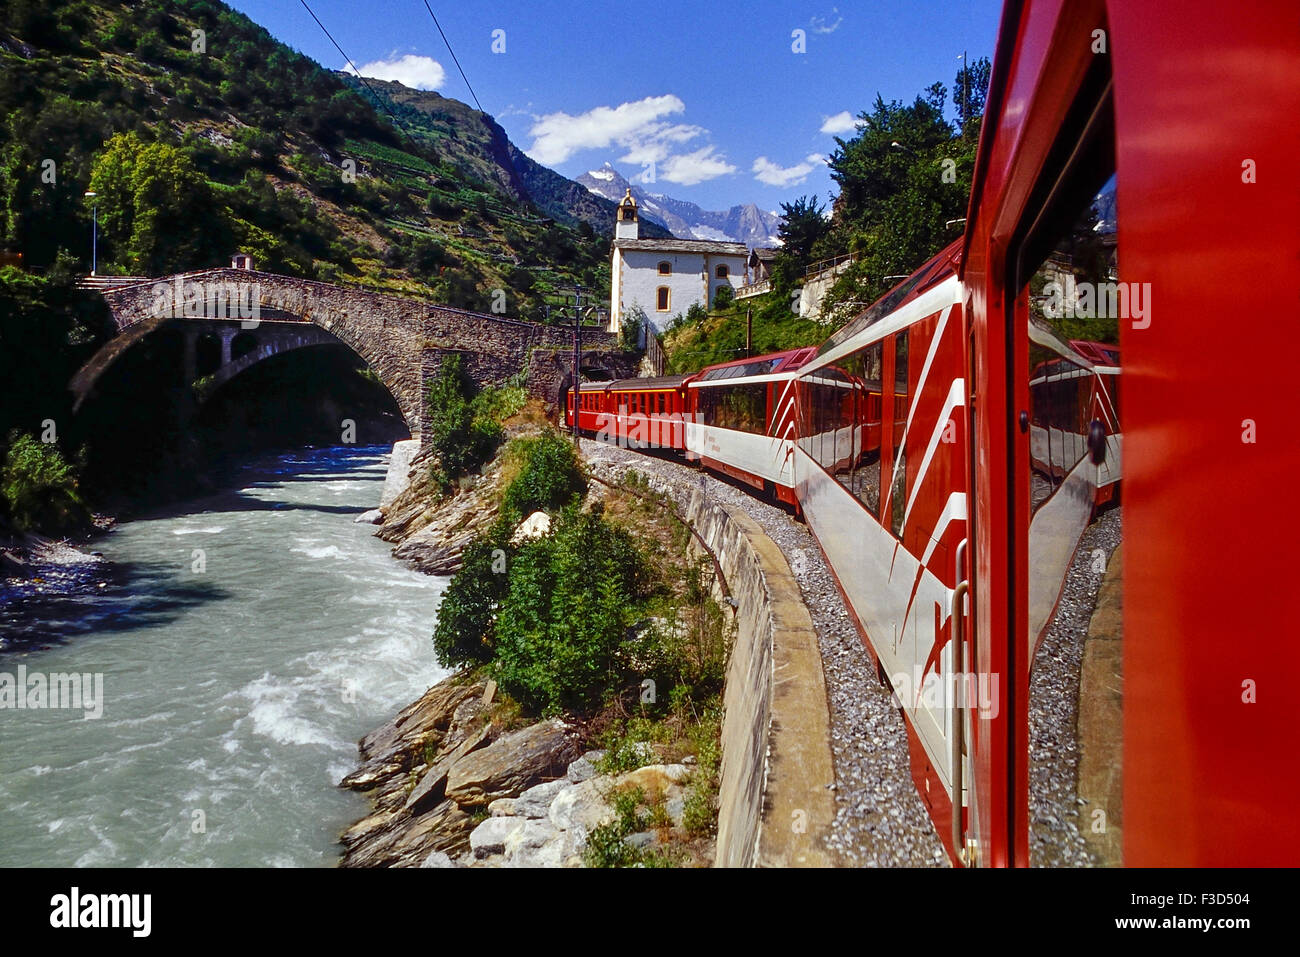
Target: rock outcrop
(437, 768)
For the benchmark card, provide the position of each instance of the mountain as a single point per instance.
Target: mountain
(480, 149)
(742, 224)
(300, 166)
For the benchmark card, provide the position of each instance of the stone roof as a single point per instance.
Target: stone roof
(682, 246)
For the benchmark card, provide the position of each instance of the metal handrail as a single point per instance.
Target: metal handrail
(959, 722)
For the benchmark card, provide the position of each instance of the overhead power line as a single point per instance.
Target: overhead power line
(347, 59)
(453, 55)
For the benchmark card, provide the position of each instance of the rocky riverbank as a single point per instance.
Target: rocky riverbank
(34, 568)
(456, 783)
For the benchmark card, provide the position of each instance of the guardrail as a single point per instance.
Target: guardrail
(754, 289)
(825, 264)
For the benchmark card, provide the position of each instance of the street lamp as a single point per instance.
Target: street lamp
(94, 232)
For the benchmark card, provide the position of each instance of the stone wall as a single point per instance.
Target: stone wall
(400, 339)
(775, 802)
(550, 371)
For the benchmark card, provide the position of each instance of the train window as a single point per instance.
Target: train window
(1071, 300)
(863, 477)
(739, 407)
(898, 478)
(1073, 303)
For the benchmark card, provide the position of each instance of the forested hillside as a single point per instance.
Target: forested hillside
(247, 144)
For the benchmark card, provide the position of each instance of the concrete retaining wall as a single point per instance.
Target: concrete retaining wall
(775, 804)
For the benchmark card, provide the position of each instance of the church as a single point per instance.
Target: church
(666, 276)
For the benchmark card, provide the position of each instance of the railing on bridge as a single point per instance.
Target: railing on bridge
(754, 289)
(104, 283)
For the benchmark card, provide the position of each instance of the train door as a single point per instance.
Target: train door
(1065, 301)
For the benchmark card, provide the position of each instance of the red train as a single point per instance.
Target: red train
(952, 446)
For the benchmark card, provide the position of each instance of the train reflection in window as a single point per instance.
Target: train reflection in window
(898, 480)
(1074, 304)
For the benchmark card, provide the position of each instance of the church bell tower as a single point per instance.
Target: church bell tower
(626, 226)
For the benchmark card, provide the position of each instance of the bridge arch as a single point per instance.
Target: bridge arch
(400, 339)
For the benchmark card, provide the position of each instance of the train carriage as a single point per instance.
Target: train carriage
(743, 420)
(957, 449)
(636, 413)
(881, 480)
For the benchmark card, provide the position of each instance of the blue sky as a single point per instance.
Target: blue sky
(712, 94)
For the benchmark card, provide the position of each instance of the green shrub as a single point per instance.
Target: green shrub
(40, 487)
(629, 334)
(463, 633)
(561, 638)
(551, 477)
(724, 297)
(462, 439)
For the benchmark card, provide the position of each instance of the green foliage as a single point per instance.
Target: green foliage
(464, 630)
(562, 632)
(723, 298)
(156, 208)
(462, 438)
(48, 328)
(606, 846)
(550, 479)
(802, 228)
(699, 814)
(626, 750)
(40, 487)
(629, 334)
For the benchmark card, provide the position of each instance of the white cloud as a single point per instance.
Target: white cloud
(823, 24)
(417, 72)
(839, 123)
(765, 171)
(637, 127)
(691, 168)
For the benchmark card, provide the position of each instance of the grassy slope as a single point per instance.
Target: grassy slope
(443, 213)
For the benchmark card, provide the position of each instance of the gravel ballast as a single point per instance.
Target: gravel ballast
(880, 820)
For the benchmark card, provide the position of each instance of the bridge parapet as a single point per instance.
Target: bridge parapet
(401, 339)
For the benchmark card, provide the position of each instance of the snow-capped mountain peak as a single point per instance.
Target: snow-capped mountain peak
(744, 224)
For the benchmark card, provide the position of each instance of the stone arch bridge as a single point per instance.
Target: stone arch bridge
(259, 314)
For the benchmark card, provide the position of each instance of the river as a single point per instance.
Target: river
(246, 641)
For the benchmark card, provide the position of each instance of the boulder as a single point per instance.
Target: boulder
(536, 801)
(655, 778)
(430, 789)
(399, 471)
(490, 837)
(372, 517)
(534, 526)
(580, 807)
(391, 749)
(511, 764)
(580, 770)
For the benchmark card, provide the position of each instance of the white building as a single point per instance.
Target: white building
(666, 276)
